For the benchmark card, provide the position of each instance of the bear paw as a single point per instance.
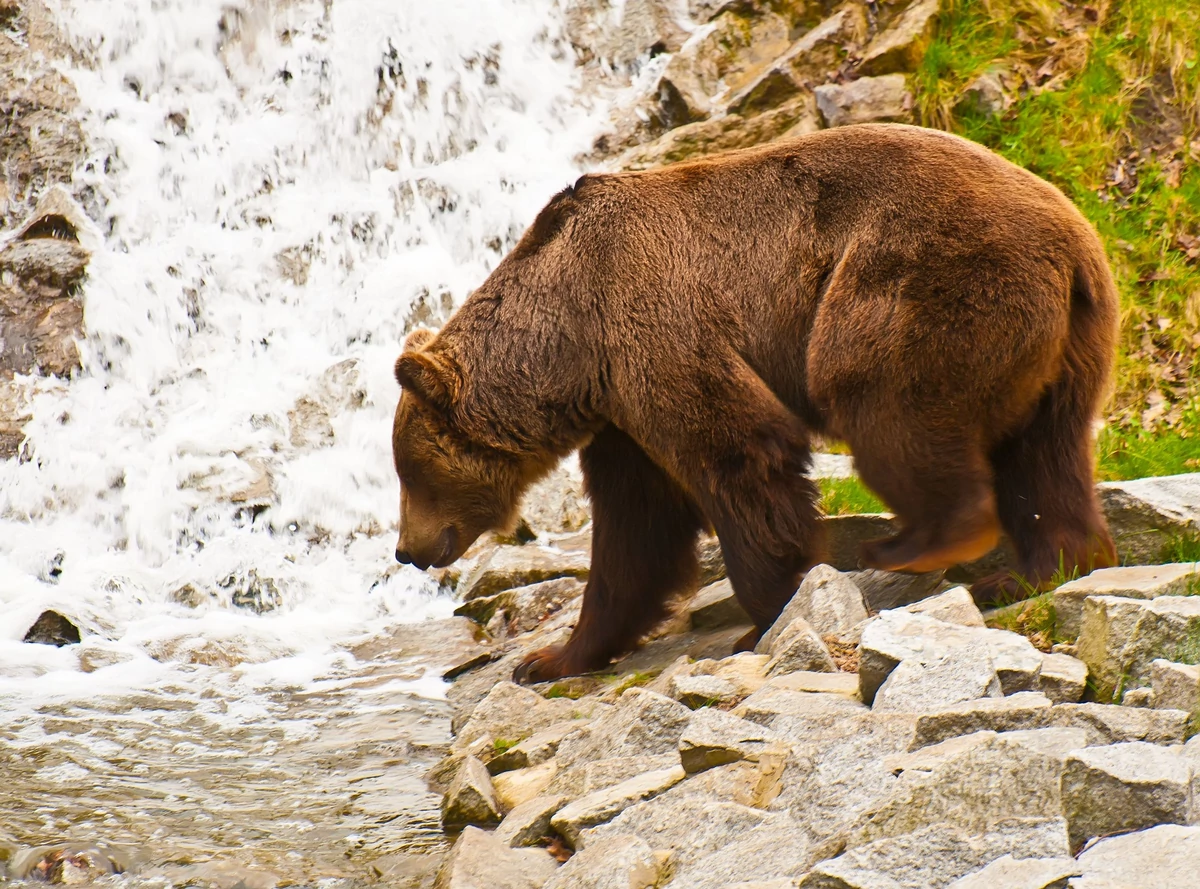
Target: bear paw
(542, 666)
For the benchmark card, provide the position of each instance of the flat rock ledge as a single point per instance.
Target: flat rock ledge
(916, 746)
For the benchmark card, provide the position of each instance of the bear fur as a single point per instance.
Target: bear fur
(948, 315)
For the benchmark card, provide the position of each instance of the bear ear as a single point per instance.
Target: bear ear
(434, 377)
(419, 338)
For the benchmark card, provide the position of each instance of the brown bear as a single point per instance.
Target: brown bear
(948, 315)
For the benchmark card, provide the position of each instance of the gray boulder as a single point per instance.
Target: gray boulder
(480, 861)
(471, 798)
(1063, 679)
(827, 599)
(1131, 582)
(1121, 637)
(1163, 857)
(1146, 515)
(602, 805)
(865, 100)
(621, 861)
(923, 684)
(1022, 873)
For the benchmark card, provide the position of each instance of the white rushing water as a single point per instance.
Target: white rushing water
(279, 185)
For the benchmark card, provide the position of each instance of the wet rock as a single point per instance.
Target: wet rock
(812, 59)
(1165, 857)
(799, 648)
(718, 62)
(976, 783)
(309, 425)
(954, 606)
(528, 823)
(1063, 679)
(715, 738)
(936, 856)
(724, 133)
(52, 628)
(1026, 710)
(717, 606)
(882, 590)
(1021, 873)
(984, 96)
(897, 635)
(1176, 687)
(702, 691)
(1146, 515)
(525, 608)
(1124, 787)
(1121, 637)
(480, 861)
(253, 592)
(444, 644)
(510, 567)
(617, 862)
(827, 599)
(1106, 724)
(471, 798)
(624, 34)
(557, 504)
(865, 100)
(924, 684)
(67, 864)
(1133, 582)
(521, 785)
(603, 805)
(901, 46)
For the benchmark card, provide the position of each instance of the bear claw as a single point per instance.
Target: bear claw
(540, 666)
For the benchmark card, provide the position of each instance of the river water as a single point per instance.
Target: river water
(279, 188)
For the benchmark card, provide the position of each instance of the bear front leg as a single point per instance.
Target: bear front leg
(644, 529)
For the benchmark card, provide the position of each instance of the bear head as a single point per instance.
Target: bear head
(453, 487)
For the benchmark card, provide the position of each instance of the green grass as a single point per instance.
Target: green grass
(1104, 105)
(847, 496)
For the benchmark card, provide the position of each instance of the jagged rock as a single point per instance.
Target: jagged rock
(603, 805)
(525, 608)
(694, 827)
(1021, 873)
(1133, 582)
(715, 738)
(480, 861)
(534, 750)
(52, 628)
(897, 635)
(812, 59)
(341, 388)
(616, 862)
(798, 648)
(623, 33)
(510, 567)
(936, 856)
(718, 62)
(901, 47)
(1124, 787)
(882, 590)
(1146, 514)
(1025, 710)
(1137, 697)
(984, 96)
(775, 702)
(827, 599)
(702, 691)
(716, 606)
(471, 798)
(844, 684)
(865, 100)
(1164, 857)
(1176, 687)
(511, 712)
(643, 725)
(745, 671)
(1063, 678)
(976, 784)
(768, 850)
(724, 133)
(1121, 637)
(954, 606)
(1106, 724)
(557, 504)
(711, 559)
(924, 684)
(521, 785)
(528, 823)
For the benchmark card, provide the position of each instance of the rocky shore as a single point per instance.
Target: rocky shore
(885, 732)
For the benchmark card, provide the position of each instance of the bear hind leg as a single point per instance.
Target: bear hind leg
(945, 504)
(644, 529)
